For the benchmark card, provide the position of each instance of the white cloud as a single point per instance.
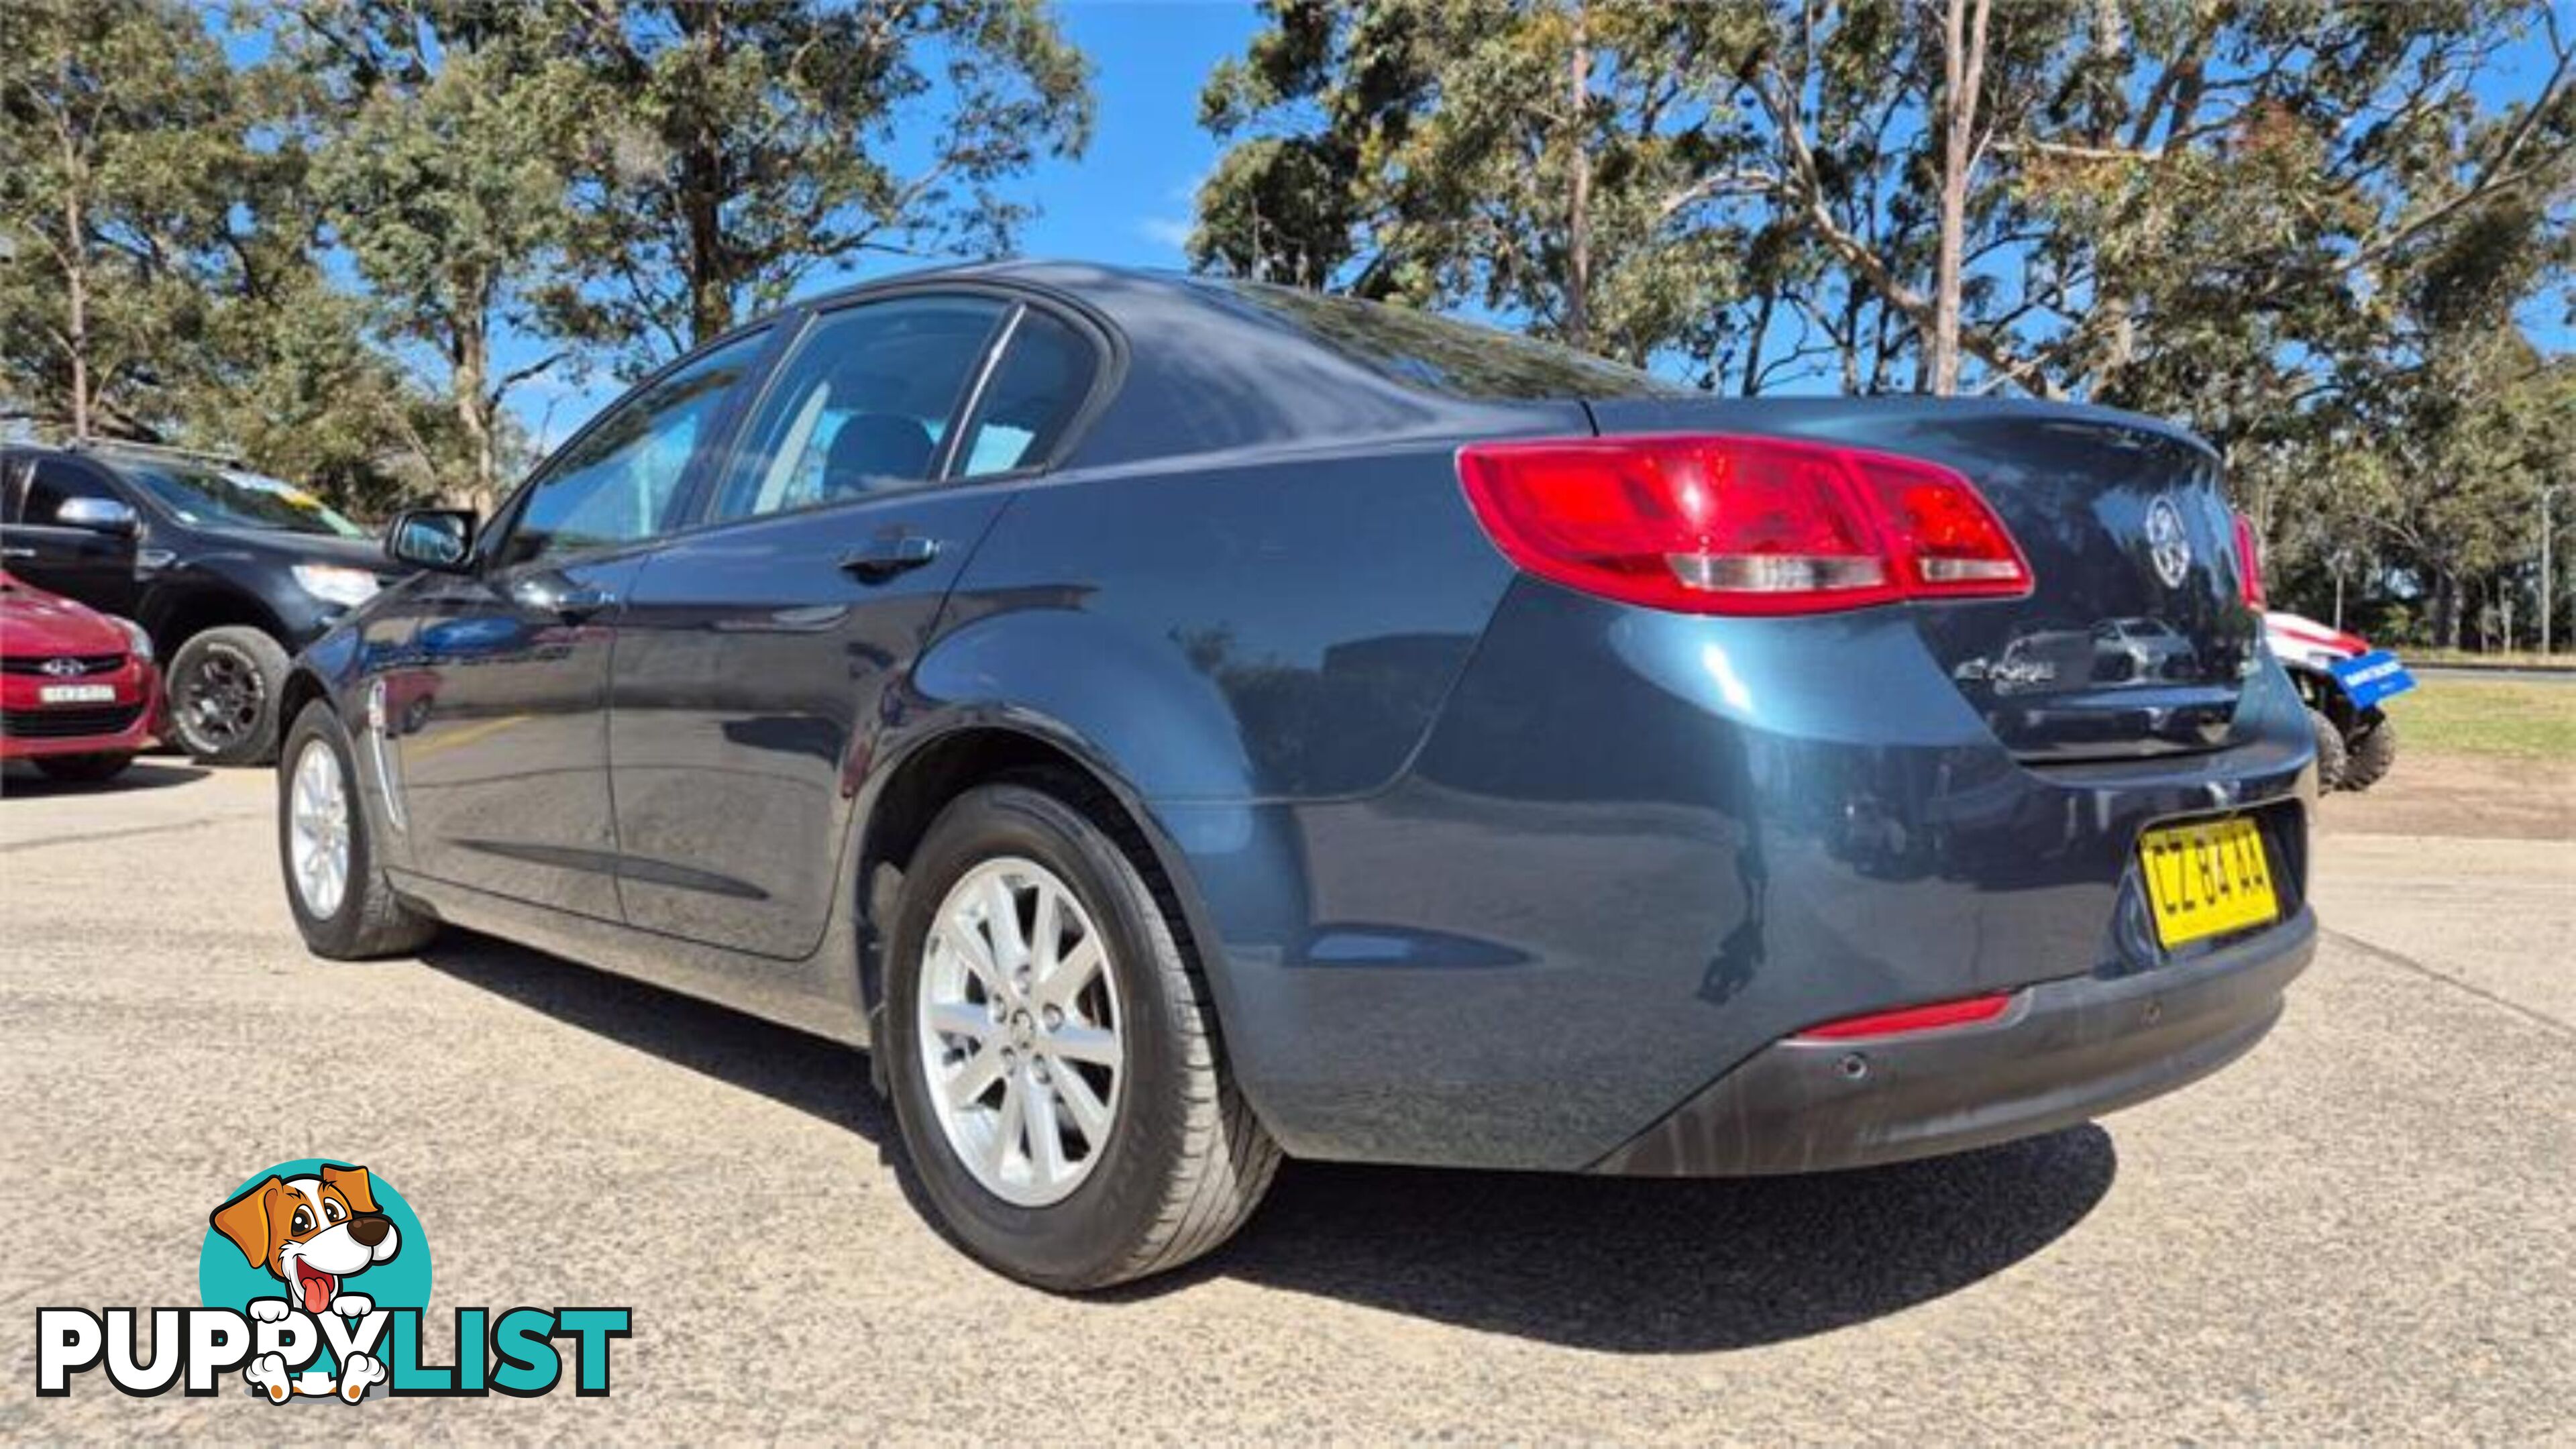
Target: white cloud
(1173, 232)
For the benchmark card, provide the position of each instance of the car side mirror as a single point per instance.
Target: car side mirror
(112, 516)
(432, 538)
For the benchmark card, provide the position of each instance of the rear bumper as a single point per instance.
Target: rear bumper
(2066, 1051)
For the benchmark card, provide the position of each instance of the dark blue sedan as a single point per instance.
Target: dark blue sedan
(1176, 723)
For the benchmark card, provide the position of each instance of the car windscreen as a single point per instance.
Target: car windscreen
(1435, 353)
(225, 498)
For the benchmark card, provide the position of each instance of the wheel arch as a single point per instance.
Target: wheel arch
(303, 686)
(979, 747)
(191, 609)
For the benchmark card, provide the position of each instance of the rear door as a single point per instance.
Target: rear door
(760, 655)
(502, 725)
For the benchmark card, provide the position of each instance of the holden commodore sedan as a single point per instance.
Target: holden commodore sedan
(1176, 724)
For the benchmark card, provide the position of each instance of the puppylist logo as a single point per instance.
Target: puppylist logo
(315, 1275)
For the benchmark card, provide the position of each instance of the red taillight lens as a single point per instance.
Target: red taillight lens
(1722, 525)
(2249, 561)
(1939, 1014)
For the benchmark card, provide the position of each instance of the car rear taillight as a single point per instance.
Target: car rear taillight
(1903, 1021)
(2249, 561)
(1730, 525)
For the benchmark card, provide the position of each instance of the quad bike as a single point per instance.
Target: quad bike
(2343, 680)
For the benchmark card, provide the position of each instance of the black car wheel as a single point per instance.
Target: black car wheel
(1052, 1052)
(83, 769)
(2370, 751)
(2331, 759)
(224, 687)
(342, 903)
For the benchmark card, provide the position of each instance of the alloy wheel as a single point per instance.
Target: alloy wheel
(318, 830)
(1019, 1033)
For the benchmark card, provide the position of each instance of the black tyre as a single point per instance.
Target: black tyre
(83, 769)
(2370, 751)
(342, 903)
(1055, 1065)
(224, 686)
(2331, 760)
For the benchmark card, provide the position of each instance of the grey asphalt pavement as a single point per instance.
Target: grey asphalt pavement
(2360, 1231)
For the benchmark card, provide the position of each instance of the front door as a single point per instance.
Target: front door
(87, 564)
(759, 657)
(501, 734)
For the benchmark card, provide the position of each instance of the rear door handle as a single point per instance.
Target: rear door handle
(883, 557)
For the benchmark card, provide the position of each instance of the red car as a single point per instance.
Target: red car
(78, 691)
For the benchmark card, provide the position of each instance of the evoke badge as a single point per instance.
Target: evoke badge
(2168, 546)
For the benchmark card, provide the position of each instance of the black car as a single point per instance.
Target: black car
(228, 571)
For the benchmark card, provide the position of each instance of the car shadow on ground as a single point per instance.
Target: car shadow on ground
(23, 780)
(1616, 1265)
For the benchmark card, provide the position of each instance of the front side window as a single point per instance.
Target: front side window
(54, 482)
(862, 405)
(621, 482)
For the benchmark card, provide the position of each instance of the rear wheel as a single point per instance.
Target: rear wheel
(2331, 759)
(1052, 1053)
(2370, 751)
(83, 769)
(224, 686)
(343, 905)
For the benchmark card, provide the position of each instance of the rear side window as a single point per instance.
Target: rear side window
(1030, 399)
(1434, 353)
(862, 406)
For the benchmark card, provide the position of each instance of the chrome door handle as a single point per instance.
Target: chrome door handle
(882, 558)
(573, 603)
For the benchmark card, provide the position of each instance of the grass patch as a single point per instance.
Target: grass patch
(2521, 719)
(2517, 659)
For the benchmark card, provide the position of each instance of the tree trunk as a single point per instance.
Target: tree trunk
(1963, 61)
(1753, 348)
(76, 305)
(1578, 218)
(471, 382)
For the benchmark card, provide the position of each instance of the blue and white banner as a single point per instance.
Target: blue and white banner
(2372, 677)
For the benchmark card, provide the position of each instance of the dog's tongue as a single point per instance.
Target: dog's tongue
(317, 1293)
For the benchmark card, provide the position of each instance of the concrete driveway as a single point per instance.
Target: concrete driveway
(2361, 1230)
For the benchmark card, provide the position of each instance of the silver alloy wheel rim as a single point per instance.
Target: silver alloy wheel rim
(1018, 1029)
(318, 830)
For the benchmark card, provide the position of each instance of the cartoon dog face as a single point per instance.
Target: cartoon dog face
(310, 1232)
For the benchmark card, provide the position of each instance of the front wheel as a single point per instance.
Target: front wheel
(2370, 751)
(2331, 756)
(1052, 1054)
(343, 905)
(224, 686)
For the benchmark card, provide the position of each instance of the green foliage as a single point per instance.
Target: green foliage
(157, 277)
(721, 154)
(2306, 228)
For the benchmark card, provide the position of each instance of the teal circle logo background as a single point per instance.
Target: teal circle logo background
(228, 1280)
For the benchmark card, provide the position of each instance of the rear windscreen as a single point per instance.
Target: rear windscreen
(1434, 353)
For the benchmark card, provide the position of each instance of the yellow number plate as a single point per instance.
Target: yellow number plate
(2206, 878)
